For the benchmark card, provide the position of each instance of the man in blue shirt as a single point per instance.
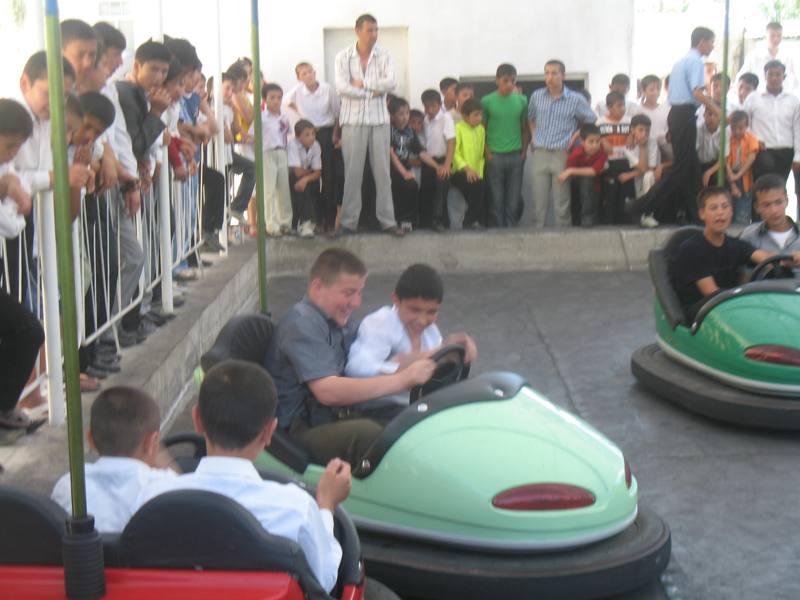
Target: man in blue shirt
(555, 113)
(677, 191)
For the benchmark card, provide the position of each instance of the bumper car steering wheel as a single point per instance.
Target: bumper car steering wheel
(771, 268)
(450, 368)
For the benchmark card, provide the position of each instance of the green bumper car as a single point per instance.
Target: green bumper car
(738, 360)
(485, 489)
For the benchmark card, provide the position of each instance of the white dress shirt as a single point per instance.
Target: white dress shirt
(321, 106)
(282, 509)
(775, 120)
(227, 119)
(34, 161)
(708, 143)
(12, 223)
(437, 132)
(305, 158)
(758, 57)
(359, 106)
(381, 336)
(274, 130)
(117, 135)
(113, 485)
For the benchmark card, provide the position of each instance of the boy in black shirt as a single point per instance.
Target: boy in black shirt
(710, 260)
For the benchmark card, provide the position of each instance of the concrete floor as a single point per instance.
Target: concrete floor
(727, 493)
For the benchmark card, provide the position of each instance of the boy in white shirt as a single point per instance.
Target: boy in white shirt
(124, 431)
(393, 337)
(440, 142)
(236, 415)
(305, 171)
(20, 331)
(277, 197)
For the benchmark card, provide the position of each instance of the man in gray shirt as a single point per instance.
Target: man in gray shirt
(317, 404)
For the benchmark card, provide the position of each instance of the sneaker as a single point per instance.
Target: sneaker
(648, 221)
(211, 242)
(306, 229)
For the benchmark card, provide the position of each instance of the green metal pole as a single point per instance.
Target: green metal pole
(721, 172)
(258, 147)
(66, 279)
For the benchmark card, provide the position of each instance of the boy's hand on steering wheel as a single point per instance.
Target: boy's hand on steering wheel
(419, 372)
(334, 485)
(463, 339)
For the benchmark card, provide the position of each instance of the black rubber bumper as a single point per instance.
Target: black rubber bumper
(701, 394)
(624, 562)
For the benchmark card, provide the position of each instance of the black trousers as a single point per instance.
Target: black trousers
(776, 161)
(614, 192)
(330, 197)
(433, 196)
(677, 191)
(247, 169)
(475, 196)
(348, 439)
(214, 202)
(587, 201)
(405, 195)
(304, 203)
(21, 336)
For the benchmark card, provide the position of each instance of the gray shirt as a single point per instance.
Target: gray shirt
(758, 236)
(306, 345)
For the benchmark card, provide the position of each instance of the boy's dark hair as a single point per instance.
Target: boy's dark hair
(648, 80)
(641, 120)
(701, 34)
(36, 67)
(710, 192)
(770, 181)
(300, 65)
(751, 79)
(245, 59)
(151, 51)
(237, 399)
(420, 281)
(236, 72)
(464, 85)
(506, 70)
(184, 51)
(738, 116)
(447, 82)
(613, 98)
(109, 36)
(266, 88)
(333, 262)
(302, 125)
(14, 119)
(73, 105)
(416, 113)
(775, 26)
(588, 129)
(75, 29)
(716, 77)
(396, 103)
(174, 72)
(226, 76)
(431, 96)
(121, 417)
(559, 63)
(365, 18)
(470, 106)
(98, 106)
(621, 79)
(774, 64)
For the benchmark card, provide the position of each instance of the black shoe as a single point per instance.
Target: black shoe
(211, 242)
(145, 329)
(127, 338)
(206, 263)
(104, 365)
(93, 371)
(155, 318)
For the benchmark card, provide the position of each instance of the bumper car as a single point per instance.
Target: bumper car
(184, 544)
(484, 488)
(738, 360)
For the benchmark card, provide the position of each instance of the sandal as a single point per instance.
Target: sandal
(14, 419)
(89, 384)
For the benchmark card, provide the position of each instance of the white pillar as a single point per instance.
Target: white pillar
(164, 209)
(220, 141)
(46, 233)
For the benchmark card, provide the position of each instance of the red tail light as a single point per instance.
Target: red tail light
(628, 475)
(543, 496)
(773, 353)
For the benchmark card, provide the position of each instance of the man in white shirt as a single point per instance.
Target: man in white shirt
(364, 75)
(124, 430)
(775, 121)
(393, 337)
(317, 102)
(766, 51)
(236, 415)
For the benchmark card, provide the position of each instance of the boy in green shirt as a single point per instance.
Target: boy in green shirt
(505, 117)
(469, 161)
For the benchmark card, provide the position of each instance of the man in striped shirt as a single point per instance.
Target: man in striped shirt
(364, 75)
(556, 113)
